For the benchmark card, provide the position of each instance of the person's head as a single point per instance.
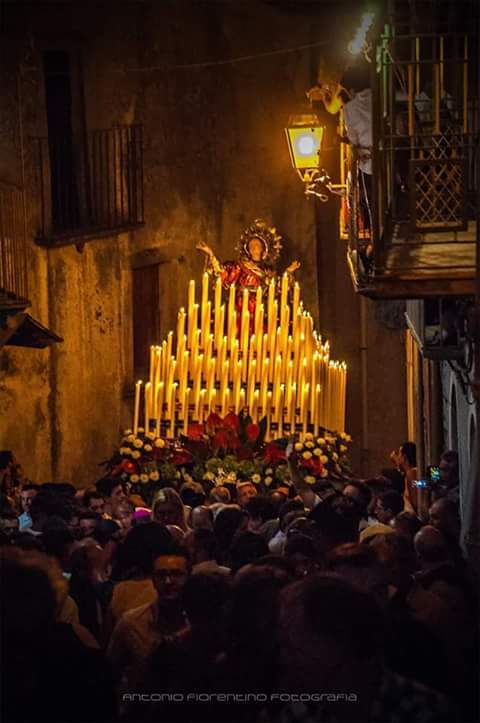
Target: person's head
(87, 523)
(9, 524)
(395, 478)
(396, 554)
(430, 547)
(124, 514)
(192, 494)
(246, 547)
(45, 505)
(360, 493)
(168, 509)
(261, 509)
(331, 633)
(113, 491)
(245, 491)
(360, 565)
(220, 494)
(292, 506)
(444, 515)
(407, 456)
(337, 518)
(449, 468)
(300, 550)
(94, 501)
(406, 524)
(278, 498)
(170, 571)
(201, 545)
(141, 544)
(26, 496)
(202, 517)
(205, 597)
(256, 249)
(58, 542)
(228, 521)
(387, 506)
(356, 78)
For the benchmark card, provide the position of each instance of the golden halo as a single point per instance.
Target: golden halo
(267, 235)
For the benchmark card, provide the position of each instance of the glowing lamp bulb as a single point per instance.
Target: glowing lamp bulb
(306, 145)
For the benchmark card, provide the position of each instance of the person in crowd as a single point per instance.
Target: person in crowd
(45, 506)
(261, 510)
(387, 506)
(246, 547)
(332, 638)
(125, 512)
(94, 501)
(168, 508)
(449, 485)
(405, 460)
(362, 495)
(395, 479)
(139, 631)
(337, 519)
(406, 524)
(51, 674)
(192, 494)
(202, 547)
(26, 496)
(132, 575)
(87, 523)
(245, 491)
(301, 552)
(228, 522)
(202, 517)
(114, 494)
(220, 494)
(279, 496)
(288, 512)
(8, 524)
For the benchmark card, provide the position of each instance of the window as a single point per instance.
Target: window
(146, 315)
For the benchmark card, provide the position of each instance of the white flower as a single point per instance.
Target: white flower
(343, 448)
(321, 442)
(307, 455)
(317, 452)
(150, 435)
(141, 429)
(334, 456)
(127, 451)
(256, 479)
(324, 459)
(148, 448)
(343, 436)
(209, 476)
(159, 442)
(134, 478)
(309, 479)
(127, 432)
(348, 438)
(232, 476)
(138, 444)
(324, 473)
(309, 436)
(131, 438)
(122, 450)
(144, 478)
(298, 446)
(136, 455)
(309, 445)
(154, 476)
(268, 481)
(269, 470)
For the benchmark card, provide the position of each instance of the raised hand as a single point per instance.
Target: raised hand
(203, 247)
(293, 267)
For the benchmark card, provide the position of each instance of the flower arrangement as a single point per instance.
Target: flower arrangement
(226, 451)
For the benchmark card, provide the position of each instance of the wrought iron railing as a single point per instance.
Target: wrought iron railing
(13, 251)
(89, 185)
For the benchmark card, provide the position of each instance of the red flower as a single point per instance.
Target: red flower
(220, 440)
(181, 456)
(252, 432)
(196, 431)
(232, 422)
(274, 454)
(128, 466)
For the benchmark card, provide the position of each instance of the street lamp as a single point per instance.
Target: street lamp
(304, 137)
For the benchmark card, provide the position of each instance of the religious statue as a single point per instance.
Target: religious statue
(259, 248)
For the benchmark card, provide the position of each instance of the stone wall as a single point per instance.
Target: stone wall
(215, 158)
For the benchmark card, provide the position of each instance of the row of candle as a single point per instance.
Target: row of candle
(282, 371)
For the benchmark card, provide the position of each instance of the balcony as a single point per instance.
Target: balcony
(90, 187)
(421, 239)
(13, 252)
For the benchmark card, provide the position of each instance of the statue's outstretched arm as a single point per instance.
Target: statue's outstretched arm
(213, 263)
(293, 267)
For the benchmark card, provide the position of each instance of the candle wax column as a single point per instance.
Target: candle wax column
(232, 319)
(186, 410)
(136, 411)
(216, 310)
(151, 375)
(160, 392)
(148, 404)
(245, 323)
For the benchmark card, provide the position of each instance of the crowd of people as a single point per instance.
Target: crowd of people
(218, 603)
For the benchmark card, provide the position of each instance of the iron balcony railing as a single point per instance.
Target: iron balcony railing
(13, 250)
(91, 185)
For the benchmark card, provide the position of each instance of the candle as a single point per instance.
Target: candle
(280, 410)
(180, 330)
(251, 384)
(185, 410)
(258, 308)
(232, 318)
(318, 401)
(191, 296)
(284, 296)
(169, 344)
(137, 406)
(219, 327)
(293, 408)
(258, 351)
(202, 405)
(245, 323)
(218, 301)
(197, 387)
(148, 403)
(152, 365)
(272, 330)
(264, 385)
(296, 303)
(172, 406)
(158, 369)
(205, 283)
(268, 415)
(160, 392)
(254, 412)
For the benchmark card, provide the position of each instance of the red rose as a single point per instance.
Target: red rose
(181, 456)
(195, 431)
(274, 454)
(128, 466)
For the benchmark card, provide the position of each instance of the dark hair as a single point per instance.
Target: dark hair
(364, 493)
(392, 501)
(56, 542)
(105, 530)
(205, 538)
(407, 521)
(91, 494)
(356, 555)
(450, 457)
(396, 479)
(47, 504)
(261, 507)
(245, 548)
(290, 506)
(337, 520)
(300, 545)
(142, 544)
(172, 550)
(357, 77)
(225, 525)
(31, 486)
(89, 515)
(6, 458)
(192, 494)
(205, 596)
(409, 450)
(106, 485)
